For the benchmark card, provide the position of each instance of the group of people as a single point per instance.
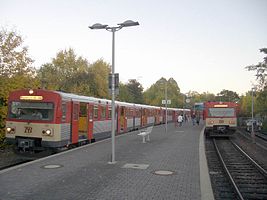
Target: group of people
(195, 119)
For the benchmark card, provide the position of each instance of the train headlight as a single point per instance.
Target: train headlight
(231, 122)
(10, 130)
(211, 122)
(30, 91)
(47, 132)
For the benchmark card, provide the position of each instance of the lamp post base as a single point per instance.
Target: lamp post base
(112, 163)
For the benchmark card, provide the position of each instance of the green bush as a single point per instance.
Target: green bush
(2, 137)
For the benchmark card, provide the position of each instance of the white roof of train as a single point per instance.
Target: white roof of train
(82, 98)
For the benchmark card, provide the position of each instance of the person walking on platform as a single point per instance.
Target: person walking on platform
(193, 117)
(180, 120)
(185, 118)
(197, 119)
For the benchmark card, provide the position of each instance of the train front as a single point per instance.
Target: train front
(31, 123)
(220, 118)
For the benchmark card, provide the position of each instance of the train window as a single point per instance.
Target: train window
(109, 112)
(31, 111)
(90, 112)
(64, 111)
(221, 112)
(83, 110)
(143, 111)
(103, 112)
(75, 112)
(127, 112)
(96, 112)
(138, 113)
(131, 112)
(122, 111)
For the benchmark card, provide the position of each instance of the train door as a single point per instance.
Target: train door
(137, 118)
(122, 115)
(117, 119)
(176, 119)
(90, 122)
(156, 115)
(74, 122)
(83, 122)
(164, 116)
(144, 117)
(173, 116)
(125, 118)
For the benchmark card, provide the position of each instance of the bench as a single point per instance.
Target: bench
(145, 134)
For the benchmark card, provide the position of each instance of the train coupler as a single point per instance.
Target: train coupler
(25, 145)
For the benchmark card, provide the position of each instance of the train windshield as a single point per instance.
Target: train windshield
(31, 111)
(221, 112)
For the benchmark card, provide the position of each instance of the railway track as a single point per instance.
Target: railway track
(222, 188)
(18, 162)
(5, 164)
(260, 139)
(247, 179)
(9, 159)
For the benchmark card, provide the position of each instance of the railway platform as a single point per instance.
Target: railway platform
(170, 166)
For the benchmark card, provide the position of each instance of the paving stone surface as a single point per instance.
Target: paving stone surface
(84, 173)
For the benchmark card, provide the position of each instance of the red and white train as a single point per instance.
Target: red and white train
(42, 119)
(220, 118)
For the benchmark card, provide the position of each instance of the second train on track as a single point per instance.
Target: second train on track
(220, 118)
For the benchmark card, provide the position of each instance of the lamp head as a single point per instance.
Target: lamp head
(98, 26)
(128, 23)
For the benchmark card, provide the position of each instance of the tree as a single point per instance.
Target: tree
(14, 59)
(134, 92)
(206, 96)
(16, 70)
(227, 95)
(261, 102)
(60, 73)
(194, 97)
(261, 70)
(70, 73)
(98, 78)
(124, 94)
(156, 93)
(261, 76)
(173, 91)
(245, 105)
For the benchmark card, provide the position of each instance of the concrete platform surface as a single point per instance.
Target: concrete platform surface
(167, 167)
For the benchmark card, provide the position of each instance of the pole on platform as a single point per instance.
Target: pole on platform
(252, 116)
(127, 23)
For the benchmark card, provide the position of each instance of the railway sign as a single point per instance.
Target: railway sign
(164, 101)
(116, 83)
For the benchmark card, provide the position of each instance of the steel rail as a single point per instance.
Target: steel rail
(261, 170)
(227, 171)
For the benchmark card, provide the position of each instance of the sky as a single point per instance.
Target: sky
(204, 45)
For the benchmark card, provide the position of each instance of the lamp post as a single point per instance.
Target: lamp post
(184, 105)
(252, 116)
(186, 101)
(127, 23)
(166, 110)
(166, 101)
